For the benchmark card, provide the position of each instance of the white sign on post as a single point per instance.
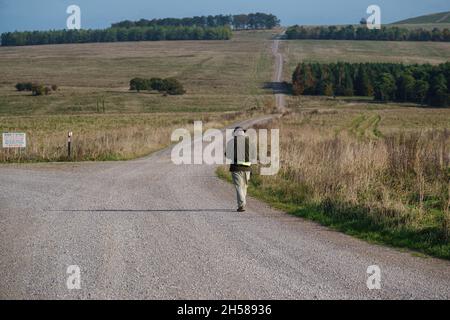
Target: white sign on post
(14, 140)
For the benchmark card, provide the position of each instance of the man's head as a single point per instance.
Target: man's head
(239, 132)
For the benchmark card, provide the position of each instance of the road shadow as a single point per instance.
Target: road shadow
(147, 210)
(278, 87)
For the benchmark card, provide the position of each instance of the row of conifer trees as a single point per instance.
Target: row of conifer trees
(424, 84)
(151, 33)
(350, 32)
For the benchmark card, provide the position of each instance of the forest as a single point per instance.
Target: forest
(351, 32)
(424, 84)
(252, 21)
(151, 33)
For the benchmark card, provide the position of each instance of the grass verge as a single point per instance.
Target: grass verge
(355, 222)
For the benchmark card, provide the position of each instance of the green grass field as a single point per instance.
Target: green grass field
(363, 51)
(218, 75)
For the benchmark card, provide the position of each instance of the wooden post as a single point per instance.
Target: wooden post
(69, 143)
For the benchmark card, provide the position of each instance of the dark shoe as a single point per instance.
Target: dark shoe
(241, 209)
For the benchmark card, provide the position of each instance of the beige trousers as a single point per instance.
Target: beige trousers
(240, 181)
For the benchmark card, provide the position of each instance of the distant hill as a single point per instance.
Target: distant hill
(443, 17)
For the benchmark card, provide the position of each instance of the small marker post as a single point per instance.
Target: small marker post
(69, 143)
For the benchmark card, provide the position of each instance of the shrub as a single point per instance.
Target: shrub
(169, 86)
(138, 84)
(20, 87)
(24, 86)
(28, 86)
(39, 90)
(173, 87)
(157, 84)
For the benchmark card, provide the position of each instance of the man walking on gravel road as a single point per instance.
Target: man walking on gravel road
(238, 152)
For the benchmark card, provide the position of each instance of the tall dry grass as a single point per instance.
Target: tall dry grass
(120, 143)
(102, 137)
(399, 181)
(409, 166)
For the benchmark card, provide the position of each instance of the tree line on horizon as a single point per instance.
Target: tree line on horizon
(252, 21)
(351, 32)
(151, 33)
(424, 84)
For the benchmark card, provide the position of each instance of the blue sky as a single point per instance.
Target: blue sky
(51, 14)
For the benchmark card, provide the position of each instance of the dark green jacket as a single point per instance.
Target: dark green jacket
(235, 167)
